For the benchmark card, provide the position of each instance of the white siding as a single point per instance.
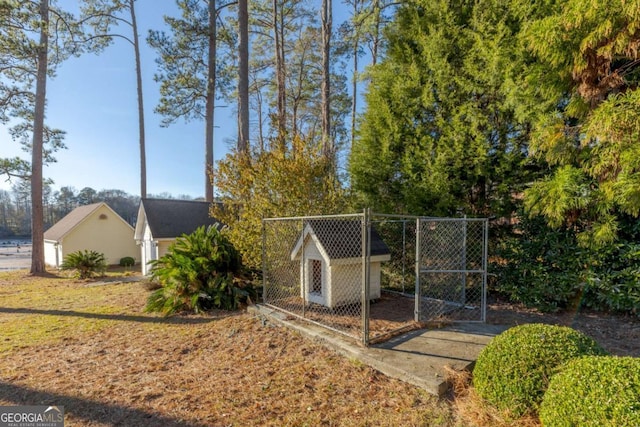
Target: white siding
(374, 280)
(52, 254)
(341, 282)
(148, 250)
(346, 283)
(311, 252)
(151, 249)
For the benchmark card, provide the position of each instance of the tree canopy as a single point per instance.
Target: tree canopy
(35, 37)
(289, 179)
(444, 137)
(587, 73)
(501, 96)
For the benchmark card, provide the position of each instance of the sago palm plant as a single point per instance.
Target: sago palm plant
(86, 263)
(200, 271)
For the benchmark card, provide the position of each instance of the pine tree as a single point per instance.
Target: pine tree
(443, 139)
(243, 76)
(112, 14)
(287, 74)
(189, 85)
(35, 39)
(586, 77)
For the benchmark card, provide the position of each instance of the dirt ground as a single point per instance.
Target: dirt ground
(91, 348)
(618, 334)
(393, 314)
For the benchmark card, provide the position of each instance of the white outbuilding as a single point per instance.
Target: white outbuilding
(161, 221)
(330, 255)
(94, 227)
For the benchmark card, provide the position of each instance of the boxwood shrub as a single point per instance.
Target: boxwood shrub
(594, 391)
(513, 371)
(127, 261)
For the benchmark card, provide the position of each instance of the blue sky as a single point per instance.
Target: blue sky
(93, 98)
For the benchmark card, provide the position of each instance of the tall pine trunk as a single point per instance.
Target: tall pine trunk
(377, 10)
(354, 82)
(142, 142)
(326, 17)
(278, 35)
(210, 103)
(37, 209)
(243, 76)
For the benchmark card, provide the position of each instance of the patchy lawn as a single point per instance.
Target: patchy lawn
(92, 350)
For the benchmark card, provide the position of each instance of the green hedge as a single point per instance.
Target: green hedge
(127, 261)
(594, 392)
(513, 371)
(548, 269)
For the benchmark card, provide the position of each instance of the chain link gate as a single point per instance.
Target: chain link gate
(371, 276)
(452, 268)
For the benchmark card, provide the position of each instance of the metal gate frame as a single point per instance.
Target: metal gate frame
(463, 270)
(356, 314)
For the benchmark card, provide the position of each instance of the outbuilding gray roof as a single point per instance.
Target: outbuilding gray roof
(170, 218)
(342, 239)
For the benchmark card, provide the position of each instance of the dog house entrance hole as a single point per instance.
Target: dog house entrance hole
(316, 280)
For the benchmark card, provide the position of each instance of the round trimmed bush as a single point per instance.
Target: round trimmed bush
(594, 391)
(127, 261)
(513, 371)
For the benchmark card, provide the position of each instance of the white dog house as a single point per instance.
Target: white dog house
(330, 252)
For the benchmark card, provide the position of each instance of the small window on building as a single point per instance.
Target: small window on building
(316, 276)
(102, 216)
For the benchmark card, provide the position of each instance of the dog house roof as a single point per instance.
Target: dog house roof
(342, 239)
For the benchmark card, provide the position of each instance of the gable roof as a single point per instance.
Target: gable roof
(73, 219)
(171, 218)
(341, 239)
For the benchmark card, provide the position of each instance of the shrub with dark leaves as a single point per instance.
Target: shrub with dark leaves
(201, 271)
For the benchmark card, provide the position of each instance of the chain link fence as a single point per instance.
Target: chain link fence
(369, 276)
(395, 311)
(314, 269)
(453, 268)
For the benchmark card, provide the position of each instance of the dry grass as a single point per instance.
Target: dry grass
(475, 411)
(92, 350)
